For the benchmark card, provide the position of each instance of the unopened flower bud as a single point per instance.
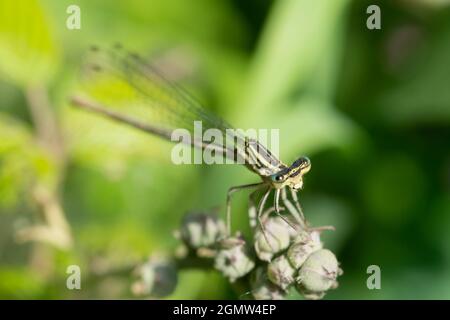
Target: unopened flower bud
(262, 288)
(309, 295)
(318, 273)
(157, 278)
(234, 259)
(305, 243)
(280, 272)
(273, 239)
(294, 227)
(201, 230)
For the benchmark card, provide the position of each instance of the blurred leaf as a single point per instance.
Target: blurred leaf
(427, 4)
(189, 285)
(326, 211)
(151, 24)
(121, 242)
(437, 225)
(394, 189)
(294, 41)
(423, 96)
(313, 126)
(28, 54)
(20, 283)
(17, 134)
(22, 162)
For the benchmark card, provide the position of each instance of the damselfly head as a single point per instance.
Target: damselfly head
(296, 171)
(292, 176)
(300, 166)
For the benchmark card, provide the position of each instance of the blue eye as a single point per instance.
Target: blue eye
(277, 178)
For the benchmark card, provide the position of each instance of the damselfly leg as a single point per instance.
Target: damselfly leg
(252, 209)
(260, 209)
(276, 200)
(230, 192)
(297, 214)
(297, 203)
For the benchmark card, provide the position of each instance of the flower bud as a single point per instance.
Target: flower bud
(157, 278)
(309, 295)
(318, 273)
(201, 230)
(294, 227)
(305, 243)
(234, 260)
(262, 288)
(280, 272)
(273, 239)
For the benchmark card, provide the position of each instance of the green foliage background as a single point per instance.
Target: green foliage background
(370, 108)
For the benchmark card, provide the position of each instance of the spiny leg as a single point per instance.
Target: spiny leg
(289, 205)
(291, 208)
(286, 220)
(260, 213)
(261, 204)
(297, 203)
(276, 200)
(255, 211)
(266, 213)
(252, 209)
(229, 193)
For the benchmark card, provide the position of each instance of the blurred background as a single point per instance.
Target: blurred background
(371, 108)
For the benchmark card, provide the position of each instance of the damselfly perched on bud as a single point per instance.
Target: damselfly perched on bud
(131, 91)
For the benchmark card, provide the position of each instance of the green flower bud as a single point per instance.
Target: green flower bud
(201, 230)
(274, 239)
(262, 288)
(280, 272)
(234, 259)
(157, 278)
(305, 243)
(319, 272)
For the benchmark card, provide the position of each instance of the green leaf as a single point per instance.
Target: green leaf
(22, 162)
(313, 126)
(423, 96)
(20, 283)
(28, 54)
(293, 44)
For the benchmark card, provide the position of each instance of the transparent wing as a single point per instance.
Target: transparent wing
(125, 87)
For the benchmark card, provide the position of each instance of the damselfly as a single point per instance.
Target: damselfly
(124, 87)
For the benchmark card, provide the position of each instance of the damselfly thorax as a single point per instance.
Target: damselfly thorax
(124, 87)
